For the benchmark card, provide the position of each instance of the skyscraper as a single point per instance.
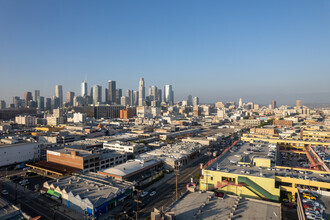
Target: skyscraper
(69, 98)
(298, 103)
(36, 95)
(196, 101)
(130, 96)
(119, 93)
(153, 93)
(59, 94)
(41, 102)
(2, 104)
(97, 94)
(168, 95)
(240, 103)
(135, 98)
(106, 93)
(274, 104)
(27, 98)
(112, 92)
(190, 100)
(159, 96)
(84, 88)
(141, 92)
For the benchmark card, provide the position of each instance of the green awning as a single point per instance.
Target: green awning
(53, 193)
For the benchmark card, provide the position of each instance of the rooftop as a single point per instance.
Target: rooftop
(130, 167)
(95, 187)
(214, 208)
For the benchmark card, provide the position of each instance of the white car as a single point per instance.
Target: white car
(4, 192)
(143, 194)
(153, 193)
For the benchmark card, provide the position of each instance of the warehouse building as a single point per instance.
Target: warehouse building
(91, 193)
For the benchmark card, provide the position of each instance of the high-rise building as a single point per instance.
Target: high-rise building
(2, 104)
(119, 94)
(27, 98)
(168, 95)
(136, 98)
(106, 93)
(130, 96)
(273, 104)
(69, 98)
(48, 103)
(240, 103)
(84, 88)
(196, 101)
(189, 100)
(298, 103)
(123, 100)
(55, 102)
(59, 94)
(41, 102)
(36, 95)
(141, 92)
(153, 93)
(112, 92)
(159, 95)
(97, 94)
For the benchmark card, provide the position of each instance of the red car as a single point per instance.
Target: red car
(219, 194)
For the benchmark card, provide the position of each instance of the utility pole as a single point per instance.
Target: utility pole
(137, 204)
(176, 182)
(15, 201)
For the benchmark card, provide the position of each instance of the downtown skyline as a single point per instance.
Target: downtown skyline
(221, 51)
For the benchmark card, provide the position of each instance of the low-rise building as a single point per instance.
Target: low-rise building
(141, 171)
(91, 193)
(128, 147)
(14, 151)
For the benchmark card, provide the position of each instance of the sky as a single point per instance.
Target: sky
(217, 50)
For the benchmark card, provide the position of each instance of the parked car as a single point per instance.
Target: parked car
(153, 193)
(307, 196)
(4, 192)
(143, 194)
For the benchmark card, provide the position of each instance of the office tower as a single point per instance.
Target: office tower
(136, 98)
(240, 103)
(196, 101)
(48, 103)
(97, 94)
(190, 100)
(91, 94)
(59, 94)
(36, 95)
(159, 95)
(298, 103)
(55, 102)
(119, 94)
(2, 104)
(168, 95)
(141, 92)
(84, 88)
(153, 93)
(106, 93)
(111, 92)
(273, 104)
(69, 98)
(123, 100)
(41, 102)
(27, 97)
(130, 96)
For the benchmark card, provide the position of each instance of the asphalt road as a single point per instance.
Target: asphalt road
(32, 204)
(165, 194)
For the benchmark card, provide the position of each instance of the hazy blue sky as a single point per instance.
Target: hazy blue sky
(217, 50)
